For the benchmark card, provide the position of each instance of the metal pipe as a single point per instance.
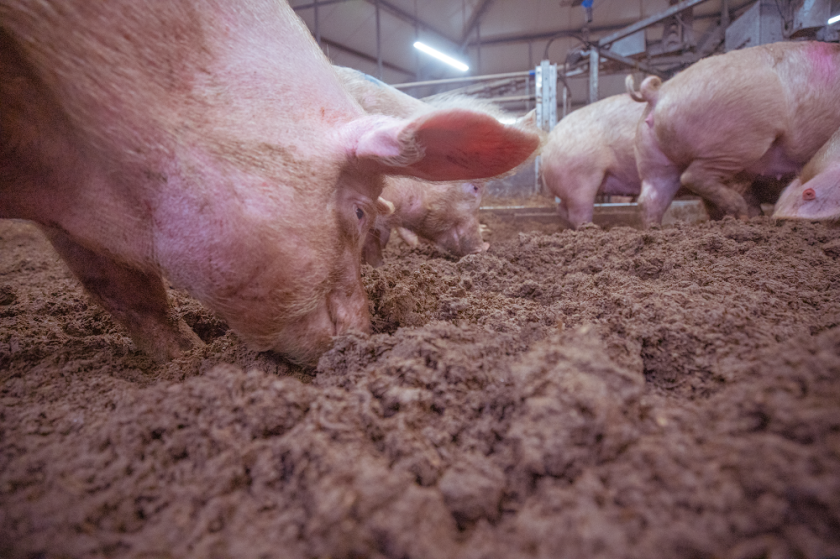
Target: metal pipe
(509, 98)
(464, 79)
(606, 53)
(594, 60)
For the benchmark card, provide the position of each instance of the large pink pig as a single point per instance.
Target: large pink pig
(590, 152)
(445, 214)
(210, 143)
(815, 194)
(726, 119)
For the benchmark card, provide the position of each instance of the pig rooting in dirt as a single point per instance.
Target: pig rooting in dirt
(210, 143)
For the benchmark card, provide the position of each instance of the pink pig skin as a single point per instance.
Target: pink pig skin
(590, 151)
(210, 143)
(815, 194)
(444, 214)
(713, 128)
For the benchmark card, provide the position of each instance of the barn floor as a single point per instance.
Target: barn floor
(619, 393)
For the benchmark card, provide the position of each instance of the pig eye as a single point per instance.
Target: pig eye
(360, 213)
(808, 194)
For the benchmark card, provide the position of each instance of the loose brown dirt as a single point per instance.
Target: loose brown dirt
(669, 393)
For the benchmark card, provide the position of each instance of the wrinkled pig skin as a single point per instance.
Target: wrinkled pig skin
(590, 152)
(210, 143)
(444, 214)
(763, 110)
(815, 194)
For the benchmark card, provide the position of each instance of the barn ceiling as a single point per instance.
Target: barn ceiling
(503, 36)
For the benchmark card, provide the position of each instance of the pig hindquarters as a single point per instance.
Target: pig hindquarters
(815, 194)
(590, 151)
(210, 144)
(760, 111)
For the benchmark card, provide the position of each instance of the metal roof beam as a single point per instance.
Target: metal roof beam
(407, 17)
(475, 19)
(363, 56)
(648, 21)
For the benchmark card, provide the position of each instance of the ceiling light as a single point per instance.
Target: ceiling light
(440, 56)
(835, 19)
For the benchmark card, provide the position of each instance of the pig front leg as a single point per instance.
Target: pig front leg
(576, 187)
(137, 300)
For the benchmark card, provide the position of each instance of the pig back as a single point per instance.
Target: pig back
(787, 94)
(377, 97)
(810, 77)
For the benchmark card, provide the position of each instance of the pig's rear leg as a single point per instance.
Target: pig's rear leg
(708, 184)
(137, 300)
(656, 195)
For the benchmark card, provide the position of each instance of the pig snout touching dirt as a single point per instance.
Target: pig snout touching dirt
(760, 111)
(590, 152)
(815, 194)
(444, 214)
(210, 143)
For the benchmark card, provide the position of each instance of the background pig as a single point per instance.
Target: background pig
(815, 194)
(714, 127)
(445, 214)
(590, 152)
(210, 143)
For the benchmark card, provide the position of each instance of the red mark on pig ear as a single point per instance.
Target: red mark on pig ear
(809, 194)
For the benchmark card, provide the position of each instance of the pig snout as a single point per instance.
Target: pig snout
(464, 240)
(305, 339)
(348, 311)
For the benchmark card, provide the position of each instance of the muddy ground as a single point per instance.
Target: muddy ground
(671, 393)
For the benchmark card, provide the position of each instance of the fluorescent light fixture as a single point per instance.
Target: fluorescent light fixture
(440, 56)
(834, 19)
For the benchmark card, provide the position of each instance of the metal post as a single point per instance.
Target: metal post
(527, 93)
(593, 74)
(478, 45)
(565, 101)
(416, 38)
(317, 27)
(545, 79)
(378, 44)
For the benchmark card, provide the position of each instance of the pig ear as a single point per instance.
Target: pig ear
(384, 207)
(454, 144)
